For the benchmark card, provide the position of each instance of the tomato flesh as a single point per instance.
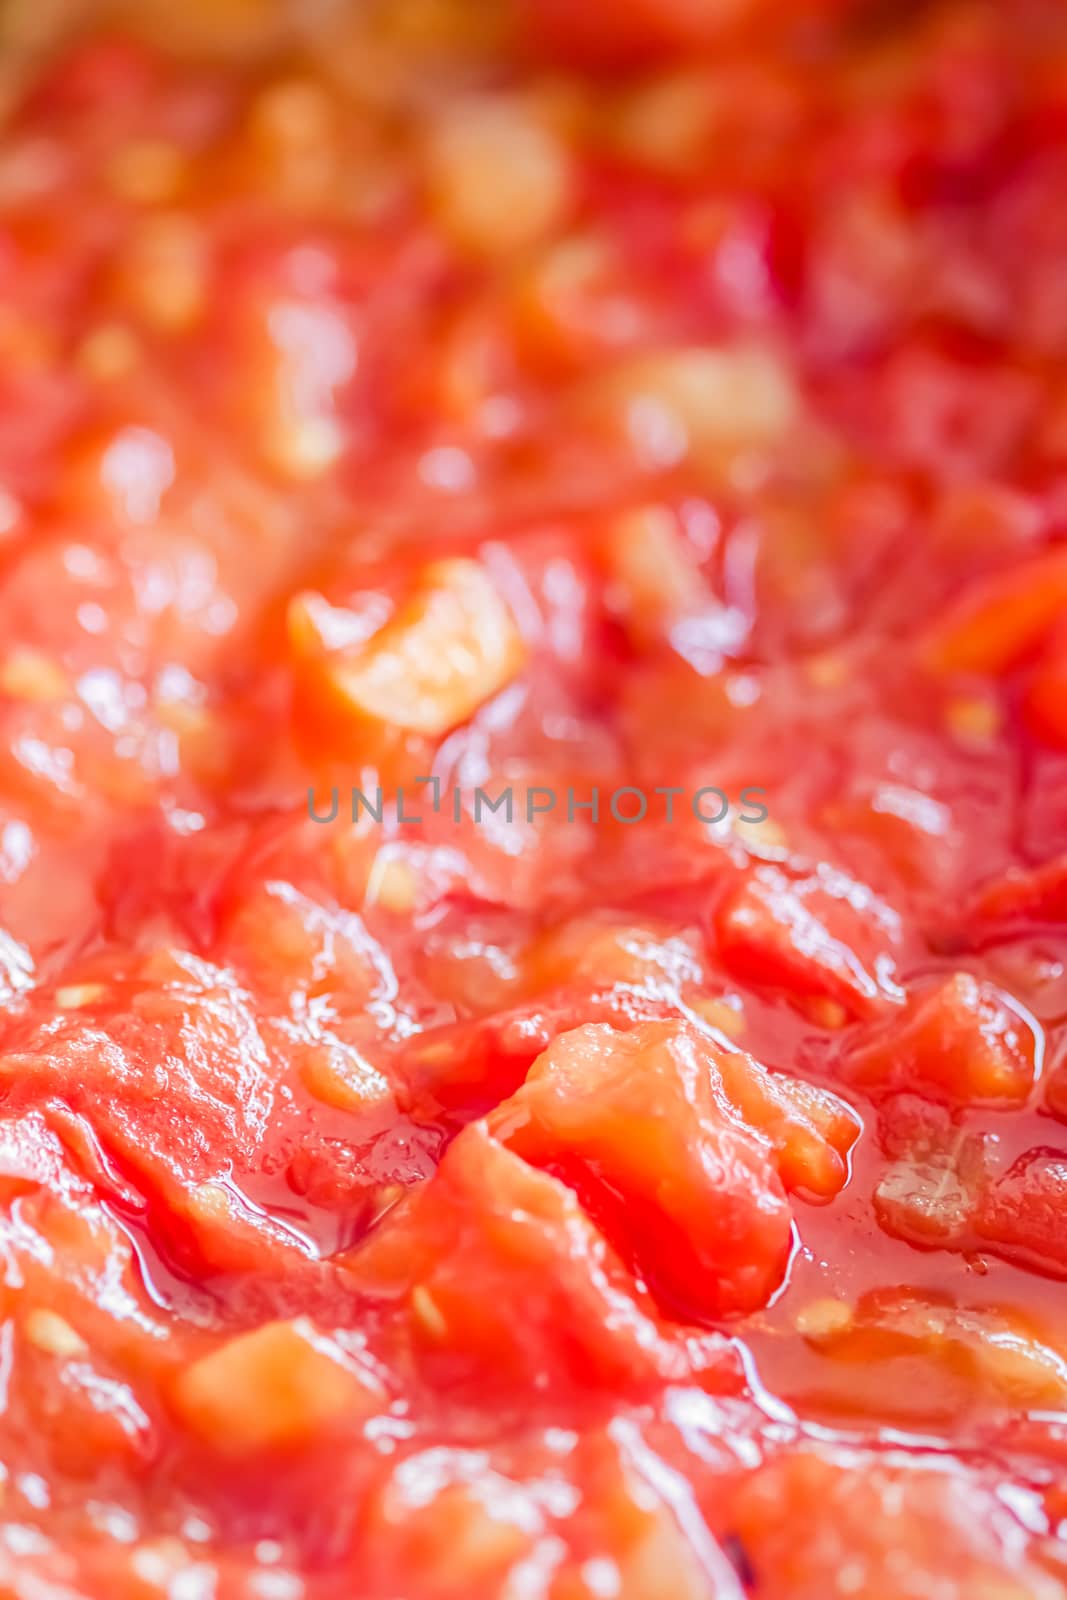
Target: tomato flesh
(533, 800)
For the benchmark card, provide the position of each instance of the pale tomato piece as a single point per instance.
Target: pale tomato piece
(284, 1384)
(499, 176)
(962, 1042)
(703, 406)
(930, 1191)
(574, 302)
(452, 646)
(983, 1352)
(654, 576)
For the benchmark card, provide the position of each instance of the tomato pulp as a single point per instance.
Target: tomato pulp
(533, 801)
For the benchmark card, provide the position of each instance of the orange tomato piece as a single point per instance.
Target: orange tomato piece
(1000, 618)
(981, 1353)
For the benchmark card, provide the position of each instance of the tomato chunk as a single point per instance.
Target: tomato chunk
(452, 646)
(1024, 1213)
(822, 936)
(647, 1118)
(489, 1233)
(930, 1192)
(1034, 894)
(282, 1385)
(962, 1042)
(985, 1353)
(895, 1533)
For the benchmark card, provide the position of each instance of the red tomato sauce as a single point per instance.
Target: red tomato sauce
(533, 801)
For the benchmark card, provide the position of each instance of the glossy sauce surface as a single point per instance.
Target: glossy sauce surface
(416, 1177)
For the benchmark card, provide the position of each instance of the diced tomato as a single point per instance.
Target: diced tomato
(451, 647)
(823, 935)
(930, 1191)
(621, 1111)
(811, 1129)
(424, 424)
(996, 1357)
(473, 1066)
(1024, 1213)
(895, 1532)
(281, 939)
(461, 1515)
(962, 1042)
(87, 1413)
(110, 1081)
(465, 1518)
(488, 1234)
(1022, 895)
(613, 949)
(283, 1385)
